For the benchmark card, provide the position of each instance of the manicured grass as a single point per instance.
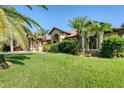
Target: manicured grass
(62, 70)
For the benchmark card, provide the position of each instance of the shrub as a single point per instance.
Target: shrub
(69, 46)
(54, 48)
(120, 54)
(112, 46)
(3, 61)
(6, 48)
(47, 47)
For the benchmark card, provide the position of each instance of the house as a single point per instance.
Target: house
(57, 35)
(36, 44)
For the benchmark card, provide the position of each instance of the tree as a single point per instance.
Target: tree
(16, 24)
(85, 26)
(42, 32)
(12, 26)
(79, 24)
(122, 25)
(98, 29)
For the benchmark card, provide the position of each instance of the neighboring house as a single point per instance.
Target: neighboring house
(57, 35)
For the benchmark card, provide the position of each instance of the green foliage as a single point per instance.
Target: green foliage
(13, 22)
(79, 23)
(3, 61)
(47, 48)
(42, 32)
(54, 48)
(6, 48)
(112, 46)
(69, 46)
(120, 54)
(122, 25)
(2, 58)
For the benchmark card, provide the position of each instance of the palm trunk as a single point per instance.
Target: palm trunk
(82, 45)
(11, 41)
(3, 61)
(81, 48)
(88, 49)
(80, 39)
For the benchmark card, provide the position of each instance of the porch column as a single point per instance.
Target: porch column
(51, 41)
(100, 39)
(60, 38)
(40, 46)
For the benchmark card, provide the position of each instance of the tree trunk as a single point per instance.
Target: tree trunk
(100, 39)
(88, 49)
(11, 41)
(82, 40)
(81, 47)
(3, 61)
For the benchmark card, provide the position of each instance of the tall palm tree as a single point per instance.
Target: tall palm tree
(98, 29)
(12, 26)
(104, 27)
(16, 24)
(42, 32)
(79, 24)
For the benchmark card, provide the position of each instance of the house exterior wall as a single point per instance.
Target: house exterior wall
(59, 33)
(115, 32)
(38, 46)
(35, 45)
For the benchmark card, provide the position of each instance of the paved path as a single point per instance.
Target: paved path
(19, 52)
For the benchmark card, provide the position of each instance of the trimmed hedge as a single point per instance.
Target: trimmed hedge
(112, 46)
(68, 46)
(54, 48)
(47, 47)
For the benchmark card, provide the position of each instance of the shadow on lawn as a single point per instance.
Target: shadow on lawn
(17, 59)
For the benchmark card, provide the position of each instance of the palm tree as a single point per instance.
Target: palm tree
(42, 32)
(79, 24)
(16, 21)
(85, 26)
(98, 29)
(104, 27)
(122, 25)
(12, 26)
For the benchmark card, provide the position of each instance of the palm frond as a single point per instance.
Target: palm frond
(28, 20)
(41, 6)
(29, 6)
(4, 26)
(18, 33)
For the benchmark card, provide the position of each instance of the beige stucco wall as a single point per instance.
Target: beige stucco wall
(59, 33)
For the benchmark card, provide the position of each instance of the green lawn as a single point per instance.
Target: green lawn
(61, 70)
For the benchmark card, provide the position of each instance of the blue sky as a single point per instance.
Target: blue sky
(58, 16)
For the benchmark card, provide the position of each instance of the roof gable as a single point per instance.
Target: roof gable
(58, 30)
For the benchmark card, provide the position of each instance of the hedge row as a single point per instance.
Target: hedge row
(66, 46)
(113, 46)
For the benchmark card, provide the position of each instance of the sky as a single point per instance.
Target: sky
(59, 15)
